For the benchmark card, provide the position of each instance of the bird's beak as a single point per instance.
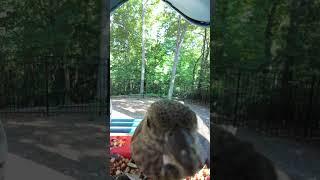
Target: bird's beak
(181, 144)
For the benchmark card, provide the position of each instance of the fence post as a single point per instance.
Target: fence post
(308, 125)
(237, 96)
(47, 88)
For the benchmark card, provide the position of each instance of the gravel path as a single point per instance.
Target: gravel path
(137, 107)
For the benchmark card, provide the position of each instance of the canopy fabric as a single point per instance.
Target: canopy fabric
(195, 11)
(114, 4)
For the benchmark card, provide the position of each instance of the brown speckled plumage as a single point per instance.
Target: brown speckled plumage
(157, 135)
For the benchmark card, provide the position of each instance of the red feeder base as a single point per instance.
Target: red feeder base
(124, 150)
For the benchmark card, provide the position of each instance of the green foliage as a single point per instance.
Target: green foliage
(161, 24)
(49, 43)
(243, 29)
(280, 38)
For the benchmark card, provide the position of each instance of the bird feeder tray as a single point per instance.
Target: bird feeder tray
(121, 131)
(120, 145)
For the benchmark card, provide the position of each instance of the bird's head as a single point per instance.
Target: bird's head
(168, 115)
(176, 124)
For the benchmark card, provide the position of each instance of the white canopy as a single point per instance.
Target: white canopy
(195, 11)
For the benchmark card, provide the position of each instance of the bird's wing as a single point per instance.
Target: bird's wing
(204, 149)
(146, 152)
(137, 131)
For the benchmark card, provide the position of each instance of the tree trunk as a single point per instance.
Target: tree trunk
(291, 40)
(268, 33)
(205, 53)
(219, 34)
(76, 76)
(180, 37)
(289, 58)
(143, 51)
(103, 73)
(66, 84)
(194, 71)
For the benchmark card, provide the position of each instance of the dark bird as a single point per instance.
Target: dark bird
(236, 159)
(164, 145)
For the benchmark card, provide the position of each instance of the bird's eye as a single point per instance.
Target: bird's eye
(148, 124)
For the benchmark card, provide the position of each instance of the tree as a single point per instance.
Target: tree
(62, 34)
(160, 33)
(268, 32)
(182, 28)
(205, 55)
(103, 74)
(143, 63)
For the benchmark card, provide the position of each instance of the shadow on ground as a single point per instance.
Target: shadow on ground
(300, 160)
(69, 144)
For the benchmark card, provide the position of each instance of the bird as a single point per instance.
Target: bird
(164, 145)
(237, 159)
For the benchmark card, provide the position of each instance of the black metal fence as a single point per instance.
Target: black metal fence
(51, 85)
(268, 102)
(156, 88)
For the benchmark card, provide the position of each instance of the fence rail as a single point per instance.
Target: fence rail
(160, 89)
(70, 85)
(51, 85)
